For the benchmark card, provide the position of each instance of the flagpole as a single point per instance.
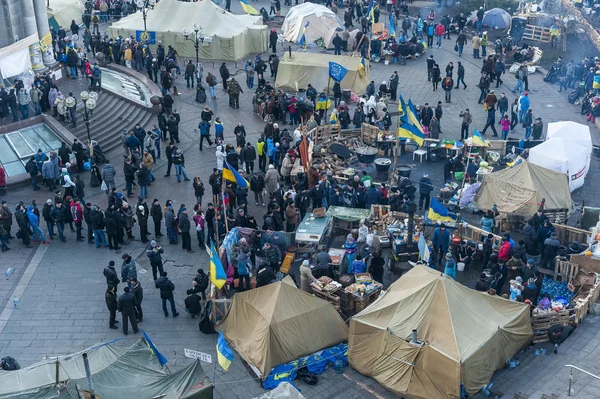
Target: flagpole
(327, 99)
(465, 175)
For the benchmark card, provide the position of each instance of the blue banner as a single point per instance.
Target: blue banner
(145, 36)
(336, 71)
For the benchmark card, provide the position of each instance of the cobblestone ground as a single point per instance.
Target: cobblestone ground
(61, 288)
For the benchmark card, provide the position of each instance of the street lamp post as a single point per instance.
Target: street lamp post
(198, 38)
(145, 5)
(89, 103)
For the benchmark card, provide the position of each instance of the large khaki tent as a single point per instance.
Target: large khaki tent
(279, 323)
(117, 373)
(230, 37)
(304, 68)
(519, 189)
(321, 21)
(466, 336)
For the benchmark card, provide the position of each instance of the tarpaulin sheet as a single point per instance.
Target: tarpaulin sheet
(348, 214)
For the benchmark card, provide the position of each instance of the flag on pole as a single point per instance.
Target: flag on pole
(337, 71)
(217, 273)
(407, 127)
(224, 353)
(423, 248)
(302, 41)
(438, 212)
(161, 359)
(478, 139)
(413, 117)
(362, 67)
(248, 9)
(232, 175)
(392, 29)
(370, 12)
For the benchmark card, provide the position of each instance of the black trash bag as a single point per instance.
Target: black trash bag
(205, 325)
(9, 364)
(200, 93)
(574, 96)
(307, 377)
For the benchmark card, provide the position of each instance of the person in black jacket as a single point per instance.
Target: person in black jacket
(87, 210)
(257, 185)
(249, 158)
(425, 188)
(224, 75)
(111, 231)
(192, 304)
(153, 253)
(129, 173)
(157, 215)
(112, 279)
(482, 284)
(169, 152)
(166, 288)
(126, 305)
(111, 303)
(138, 292)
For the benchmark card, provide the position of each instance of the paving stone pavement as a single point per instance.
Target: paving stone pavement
(62, 307)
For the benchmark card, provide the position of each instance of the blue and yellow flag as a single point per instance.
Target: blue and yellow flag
(370, 14)
(217, 274)
(302, 41)
(161, 359)
(248, 9)
(392, 29)
(224, 354)
(438, 212)
(362, 67)
(232, 175)
(478, 139)
(407, 127)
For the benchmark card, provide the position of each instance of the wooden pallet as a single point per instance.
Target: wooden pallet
(541, 323)
(332, 299)
(536, 33)
(566, 270)
(567, 234)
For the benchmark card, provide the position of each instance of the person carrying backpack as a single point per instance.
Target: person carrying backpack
(211, 81)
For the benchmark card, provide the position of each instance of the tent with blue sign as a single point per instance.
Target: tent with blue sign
(304, 68)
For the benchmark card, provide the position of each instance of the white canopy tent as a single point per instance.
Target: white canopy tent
(570, 131)
(563, 156)
(226, 36)
(322, 22)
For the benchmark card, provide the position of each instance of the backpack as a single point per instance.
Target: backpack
(62, 180)
(96, 72)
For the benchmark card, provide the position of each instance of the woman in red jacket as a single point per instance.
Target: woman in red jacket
(504, 253)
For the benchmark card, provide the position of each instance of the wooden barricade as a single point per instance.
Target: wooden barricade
(537, 33)
(473, 233)
(566, 270)
(567, 234)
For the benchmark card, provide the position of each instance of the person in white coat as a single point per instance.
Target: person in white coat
(221, 156)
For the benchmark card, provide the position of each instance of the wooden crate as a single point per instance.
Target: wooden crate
(542, 322)
(331, 298)
(566, 270)
(557, 216)
(287, 262)
(586, 263)
(346, 301)
(473, 233)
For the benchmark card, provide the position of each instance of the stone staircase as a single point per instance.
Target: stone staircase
(111, 115)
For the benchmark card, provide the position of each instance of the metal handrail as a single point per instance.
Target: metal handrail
(571, 375)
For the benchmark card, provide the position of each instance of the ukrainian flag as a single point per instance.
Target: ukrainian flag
(161, 359)
(407, 127)
(302, 41)
(248, 9)
(224, 354)
(370, 14)
(362, 67)
(438, 212)
(217, 273)
(392, 29)
(478, 139)
(232, 175)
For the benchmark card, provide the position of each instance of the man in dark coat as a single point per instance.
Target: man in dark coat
(157, 215)
(153, 253)
(138, 292)
(111, 303)
(425, 188)
(166, 288)
(126, 305)
(111, 276)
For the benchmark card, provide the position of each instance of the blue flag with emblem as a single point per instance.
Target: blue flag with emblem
(224, 354)
(161, 359)
(145, 36)
(336, 71)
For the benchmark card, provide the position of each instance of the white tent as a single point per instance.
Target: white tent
(227, 37)
(321, 21)
(563, 156)
(571, 131)
(65, 11)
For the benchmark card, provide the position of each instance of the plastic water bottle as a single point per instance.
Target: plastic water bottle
(555, 349)
(15, 302)
(9, 271)
(338, 366)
